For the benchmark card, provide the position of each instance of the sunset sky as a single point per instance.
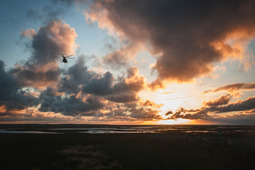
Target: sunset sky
(134, 62)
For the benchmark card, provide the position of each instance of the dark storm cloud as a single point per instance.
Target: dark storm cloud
(123, 97)
(76, 77)
(28, 77)
(189, 35)
(86, 93)
(247, 104)
(41, 69)
(233, 87)
(97, 107)
(123, 90)
(72, 106)
(11, 96)
(100, 86)
(202, 113)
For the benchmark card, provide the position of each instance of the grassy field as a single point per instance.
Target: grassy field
(127, 151)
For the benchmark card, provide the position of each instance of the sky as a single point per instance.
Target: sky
(134, 62)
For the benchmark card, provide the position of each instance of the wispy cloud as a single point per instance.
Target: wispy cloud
(233, 87)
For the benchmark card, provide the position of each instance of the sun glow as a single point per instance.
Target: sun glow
(172, 122)
(174, 97)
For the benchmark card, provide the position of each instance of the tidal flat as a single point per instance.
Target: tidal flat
(126, 147)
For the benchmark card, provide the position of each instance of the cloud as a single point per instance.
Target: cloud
(100, 86)
(82, 92)
(239, 119)
(188, 37)
(39, 79)
(30, 33)
(96, 107)
(71, 106)
(243, 105)
(233, 87)
(168, 92)
(123, 97)
(134, 111)
(150, 103)
(37, 117)
(53, 39)
(216, 106)
(41, 69)
(169, 113)
(38, 90)
(52, 11)
(144, 114)
(121, 57)
(188, 114)
(123, 90)
(76, 77)
(220, 101)
(12, 97)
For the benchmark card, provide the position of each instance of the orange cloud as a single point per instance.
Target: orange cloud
(214, 108)
(30, 33)
(220, 101)
(187, 41)
(2, 109)
(234, 88)
(148, 103)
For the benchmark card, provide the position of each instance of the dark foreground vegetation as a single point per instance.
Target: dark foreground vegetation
(165, 150)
